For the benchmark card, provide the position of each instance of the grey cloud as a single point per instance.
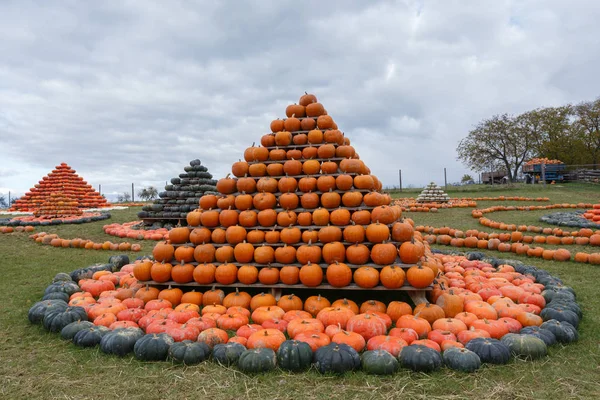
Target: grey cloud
(134, 90)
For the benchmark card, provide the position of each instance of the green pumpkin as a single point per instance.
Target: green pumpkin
(560, 314)
(566, 305)
(189, 352)
(61, 277)
(55, 320)
(88, 272)
(420, 358)
(293, 355)
(37, 311)
(57, 296)
(544, 334)
(491, 351)
(379, 362)
(90, 337)
(525, 346)
(119, 261)
(336, 358)
(63, 286)
(257, 360)
(563, 331)
(69, 331)
(228, 353)
(558, 293)
(463, 360)
(120, 341)
(153, 347)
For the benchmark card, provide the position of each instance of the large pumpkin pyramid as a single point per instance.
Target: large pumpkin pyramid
(300, 211)
(180, 196)
(58, 205)
(61, 180)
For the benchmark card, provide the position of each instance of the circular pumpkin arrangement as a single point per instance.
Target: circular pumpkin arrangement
(480, 311)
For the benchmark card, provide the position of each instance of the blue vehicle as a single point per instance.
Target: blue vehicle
(549, 172)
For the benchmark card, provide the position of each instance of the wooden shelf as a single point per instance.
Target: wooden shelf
(300, 176)
(323, 264)
(280, 244)
(352, 286)
(293, 146)
(303, 159)
(301, 227)
(300, 193)
(279, 209)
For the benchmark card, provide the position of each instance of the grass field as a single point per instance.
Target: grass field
(36, 364)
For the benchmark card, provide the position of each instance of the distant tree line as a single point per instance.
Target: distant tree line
(569, 133)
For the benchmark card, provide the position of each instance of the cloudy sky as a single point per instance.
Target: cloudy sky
(130, 91)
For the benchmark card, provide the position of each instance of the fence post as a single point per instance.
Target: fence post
(100, 188)
(9, 198)
(445, 180)
(400, 178)
(544, 172)
(132, 193)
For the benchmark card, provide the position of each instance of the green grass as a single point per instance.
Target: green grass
(36, 364)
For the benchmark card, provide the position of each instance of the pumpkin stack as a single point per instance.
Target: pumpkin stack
(58, 205)
(180, 196)
(433, 194)
(65, 181)
(300, 211)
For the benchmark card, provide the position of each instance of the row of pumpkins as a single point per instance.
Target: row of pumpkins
(494, 313)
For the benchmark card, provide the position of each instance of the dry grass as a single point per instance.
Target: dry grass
(36, 364)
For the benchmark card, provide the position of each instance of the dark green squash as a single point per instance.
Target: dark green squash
(153, 347)
(547, 336)
(560, 314)
(420, 358)
(556, 293)
(491, 351)
(379, 362)
(228, 353)
(293, 355)
(525, 346)
(257, 360)
(90, 337)
(119, 261)
(463, 360)
(37, 311)
(67, 287)
(88, 272)
(563, 331)
(56, 296)
(121, 341)
(189, 352)
(336, 358)
(69, 331)
(55, 320)
(566, 305)
(61, 277)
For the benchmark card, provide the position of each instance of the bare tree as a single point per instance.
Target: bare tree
(3, 203)
(499, 140)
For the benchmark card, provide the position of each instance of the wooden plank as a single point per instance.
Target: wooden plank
(352, 286)
(304, 175)
(300, 193)
(283, 161)
(294, 146)
(306, 227)
(397, 263)
(279, 244)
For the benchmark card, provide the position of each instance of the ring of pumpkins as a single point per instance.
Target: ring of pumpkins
(55, 241)
(517, 241)
(126, 230)
(481, 311)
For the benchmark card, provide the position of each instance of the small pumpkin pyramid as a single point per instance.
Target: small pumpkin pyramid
(432, 193)
(302, 210)
(58, 205)
(61, 180)
(181, 196)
